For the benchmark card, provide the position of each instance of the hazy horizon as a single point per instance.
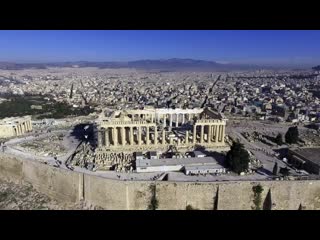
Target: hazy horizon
(287, 48)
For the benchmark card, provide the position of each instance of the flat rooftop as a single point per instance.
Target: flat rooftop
(177, 161)
(311, 154)
(204, 167)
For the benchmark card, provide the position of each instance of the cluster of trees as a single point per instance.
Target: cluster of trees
(17, 106)
(21, 106)
(292, 136)
(62, 110)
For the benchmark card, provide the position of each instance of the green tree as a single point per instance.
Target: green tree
(278, 139)
(238, 158)
(292, 135)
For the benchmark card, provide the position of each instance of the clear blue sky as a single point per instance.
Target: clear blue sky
(267, 47)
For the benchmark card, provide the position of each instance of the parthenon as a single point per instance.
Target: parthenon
(158, 128)
(15, 126)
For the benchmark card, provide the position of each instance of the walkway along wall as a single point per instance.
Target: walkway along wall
(67, 186)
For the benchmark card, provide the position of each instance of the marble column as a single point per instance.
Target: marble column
(216, 133)
(123, 136)
(163, 137)
(212, 133)
(111, 136)
(170, 120)
(164, 120)
(131, 136)
(187, 137)
(99, 138)
(139, 135)
(115, 136)
(106, 137)
(147, 137)
(182, 118)
(201, 134)
(152, 118)
(223, 133)
(177, 120)
(155, 135)
(209, 134)
(194, 138)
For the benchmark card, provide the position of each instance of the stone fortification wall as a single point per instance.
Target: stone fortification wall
(67, 186)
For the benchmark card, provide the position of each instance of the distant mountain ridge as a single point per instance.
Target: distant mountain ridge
(316, 68)
(174, 64)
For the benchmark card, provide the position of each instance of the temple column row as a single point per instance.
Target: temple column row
(182, 120)
(215, 133)
(114, 139)
(21, 128)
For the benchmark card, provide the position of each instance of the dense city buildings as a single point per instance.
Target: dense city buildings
(136, 125)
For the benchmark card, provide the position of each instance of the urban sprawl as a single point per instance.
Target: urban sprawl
(129, 124)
